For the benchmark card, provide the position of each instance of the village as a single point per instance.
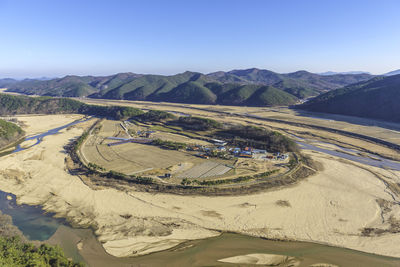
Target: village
(142, 150)
(217, 148)
(222, 149)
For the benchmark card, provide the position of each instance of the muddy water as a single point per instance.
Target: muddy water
(33, 222)
(36, 224)
(207, 252)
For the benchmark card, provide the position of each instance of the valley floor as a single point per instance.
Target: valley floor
(335, 207)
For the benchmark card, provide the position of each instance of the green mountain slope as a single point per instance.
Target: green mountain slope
(269, 95)
(377, 98)
(189, 92)
(148, 86)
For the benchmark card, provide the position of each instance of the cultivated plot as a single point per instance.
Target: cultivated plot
(206, 169)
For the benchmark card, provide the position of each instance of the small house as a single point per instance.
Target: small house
(236, 150)
(219, 142)
(246, 154)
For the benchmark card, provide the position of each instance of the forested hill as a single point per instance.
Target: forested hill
(251, 87)
(12, 105)
(378, 98)
(9, 133)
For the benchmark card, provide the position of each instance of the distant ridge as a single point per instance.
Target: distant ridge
(395, 72)
(346, 72)
(250, 87)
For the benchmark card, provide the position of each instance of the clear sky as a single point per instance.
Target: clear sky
(58, 37)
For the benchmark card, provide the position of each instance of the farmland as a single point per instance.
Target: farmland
(172, 157)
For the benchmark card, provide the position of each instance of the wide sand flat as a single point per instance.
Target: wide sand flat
(330, 207)
(34, 124)
(263, 259)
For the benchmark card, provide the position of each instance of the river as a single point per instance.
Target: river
(349, 154)
(39, 137)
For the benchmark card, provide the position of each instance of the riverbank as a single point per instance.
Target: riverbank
(331, 207)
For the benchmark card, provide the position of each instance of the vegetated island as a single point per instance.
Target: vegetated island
(238, 141)
(217, 155)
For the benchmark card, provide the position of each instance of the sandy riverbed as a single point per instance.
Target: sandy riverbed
(263, 259)
(330, 207)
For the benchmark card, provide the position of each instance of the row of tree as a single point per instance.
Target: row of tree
(240, 179)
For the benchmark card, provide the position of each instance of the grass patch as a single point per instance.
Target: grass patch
(240, 179)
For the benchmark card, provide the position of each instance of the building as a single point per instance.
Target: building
(204, 156)
(236, 150)
(246, 154)
(219, 142)
(283, 156)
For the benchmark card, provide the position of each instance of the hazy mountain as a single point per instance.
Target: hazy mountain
(377, 98)
(395, 72)
(7, 82)
(345, 72)
(236, 87)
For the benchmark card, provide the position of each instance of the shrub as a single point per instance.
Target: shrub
(169, 144)
(259, 138)
(155, 116)
(14, 252)
(197, 123)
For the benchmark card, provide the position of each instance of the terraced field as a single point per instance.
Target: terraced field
(155, 162)
(206, 169)
(130, 158)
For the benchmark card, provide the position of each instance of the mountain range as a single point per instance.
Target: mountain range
(377, 98)
(250, 87)
(395, 72)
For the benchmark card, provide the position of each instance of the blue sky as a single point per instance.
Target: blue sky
(55, 38)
